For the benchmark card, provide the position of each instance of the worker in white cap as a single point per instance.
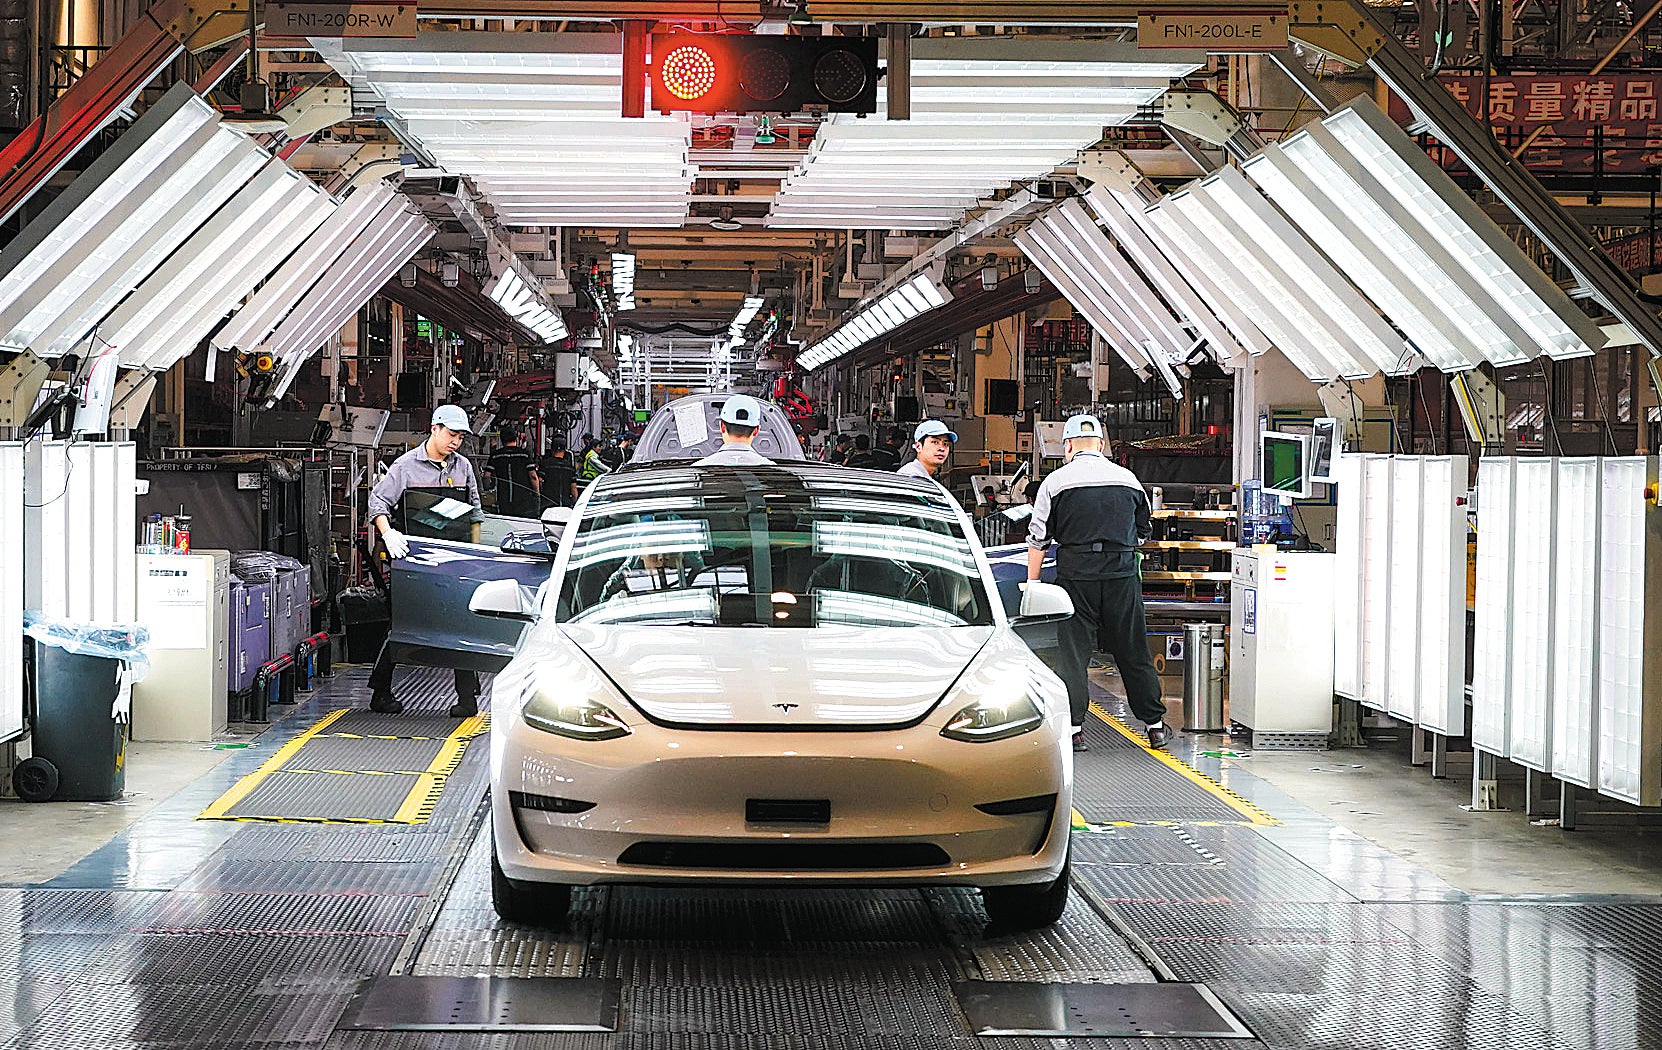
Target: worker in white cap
(931, 443)
(1098, 515)
(437, 470)
(741, 415)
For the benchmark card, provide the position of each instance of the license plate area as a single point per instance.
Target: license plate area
(787, 810)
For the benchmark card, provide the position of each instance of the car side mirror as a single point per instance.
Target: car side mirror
(503, 598)
(554, 522)
(1043, 603)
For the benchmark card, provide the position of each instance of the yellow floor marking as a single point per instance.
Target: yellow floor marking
(241, 788)
(1189, 773)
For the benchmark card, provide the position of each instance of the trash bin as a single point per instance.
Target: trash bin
(80, 701)
(1203, 657)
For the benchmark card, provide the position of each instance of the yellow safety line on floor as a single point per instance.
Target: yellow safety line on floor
(417, 806)
(241, 788)
(1253, 814)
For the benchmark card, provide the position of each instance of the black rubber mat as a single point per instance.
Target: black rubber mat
(401, 726)
(288, 795)
(373, 754)
(1119, 780)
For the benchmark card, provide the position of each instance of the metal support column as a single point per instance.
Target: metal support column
(1485, 783)
(1349, 733)
(1567, 808)
(1535, 794)
(1439, 756)
(1417, 753)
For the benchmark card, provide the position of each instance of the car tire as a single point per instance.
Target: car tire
(1016, 908)
(529, 903)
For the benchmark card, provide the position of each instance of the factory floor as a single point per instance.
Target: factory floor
(1333, 898)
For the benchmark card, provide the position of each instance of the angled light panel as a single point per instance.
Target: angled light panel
(916, 295)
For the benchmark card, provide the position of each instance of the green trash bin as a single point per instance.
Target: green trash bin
(78, 741)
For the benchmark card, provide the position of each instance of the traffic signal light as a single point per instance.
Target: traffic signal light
(742, 73)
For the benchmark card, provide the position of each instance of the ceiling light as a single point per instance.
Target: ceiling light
(623, 280)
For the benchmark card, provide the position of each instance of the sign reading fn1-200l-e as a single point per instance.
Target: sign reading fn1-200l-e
(1234, 32)
(746, 73)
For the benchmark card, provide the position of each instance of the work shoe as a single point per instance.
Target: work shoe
(1079, 741)
(1159, 736)
(386, 704)
(464, 708)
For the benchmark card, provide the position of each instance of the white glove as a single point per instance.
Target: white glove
(397, 545)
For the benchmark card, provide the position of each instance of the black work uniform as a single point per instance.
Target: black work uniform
(1097, 514)
(511, 467)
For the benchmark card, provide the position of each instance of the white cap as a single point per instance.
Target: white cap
(742, 410)
(933, 428)
(1082, 426)
(452, 417)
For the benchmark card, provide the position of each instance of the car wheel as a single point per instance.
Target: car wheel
(529, 903)
(1014, 908)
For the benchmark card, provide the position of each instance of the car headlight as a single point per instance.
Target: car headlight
(989, 719)
(579, 718)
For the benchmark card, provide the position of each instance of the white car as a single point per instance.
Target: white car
(797, 674)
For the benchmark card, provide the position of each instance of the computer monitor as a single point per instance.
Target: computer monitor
(1284, 464)
(1324, 448)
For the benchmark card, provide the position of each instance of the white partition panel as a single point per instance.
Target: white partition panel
(1491, 661)
(1630, 632)
(1347, 580)
(79, 530)
(11, 591)
(1575, 611)
(1402, 658)
(1442, 655)
(1529, 723)
(1376, 578)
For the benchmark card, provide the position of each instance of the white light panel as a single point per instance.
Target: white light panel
(79, 521)
(1575, 618)
(1376, 580)
(1417, 245)
(11, 591)
(1442, 607)
(1630, 635)
(1402, 660)
(1529, 723)
(912, 297)
(983, 115)
(1347, 576)
(1492, 612)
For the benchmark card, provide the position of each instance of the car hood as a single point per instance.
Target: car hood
(781, 678)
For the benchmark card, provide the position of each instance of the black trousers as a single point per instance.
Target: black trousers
(380, 676)
(1108, 614)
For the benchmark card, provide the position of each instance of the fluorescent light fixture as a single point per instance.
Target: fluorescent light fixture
(1492, 611)
(1442, 605)
(1376, 581)
(916, 295)
(623, 280)
(1417, 245)
(1529, 723)
(1347, 576)
(1630, 632)
(267, 307)
(1402, 659)
(522, 302)
(1575, 620)
(741, 320)
(120, 218)
(1085, 292)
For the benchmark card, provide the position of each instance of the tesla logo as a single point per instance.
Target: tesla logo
(786, 708)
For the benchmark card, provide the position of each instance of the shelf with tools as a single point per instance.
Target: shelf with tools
(1186, 566)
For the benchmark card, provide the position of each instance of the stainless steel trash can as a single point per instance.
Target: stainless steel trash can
(1203, 657)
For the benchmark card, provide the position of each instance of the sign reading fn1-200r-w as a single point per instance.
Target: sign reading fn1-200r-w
(744, 73)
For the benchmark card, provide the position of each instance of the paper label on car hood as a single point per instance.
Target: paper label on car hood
(784, 677)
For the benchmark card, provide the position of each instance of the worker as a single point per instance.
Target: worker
(862, 455)
(1098, 515)
(559, 478)
(594, 463)
(931, 443)
(840, 450)
(434, 468)
(517, 484)
(741, 414)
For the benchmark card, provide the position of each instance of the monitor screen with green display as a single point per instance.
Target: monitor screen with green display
(1283, 459)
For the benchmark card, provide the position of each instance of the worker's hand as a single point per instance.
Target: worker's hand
(1026, 597)
(397, 546)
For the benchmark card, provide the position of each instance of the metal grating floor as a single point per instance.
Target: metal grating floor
(180, 934)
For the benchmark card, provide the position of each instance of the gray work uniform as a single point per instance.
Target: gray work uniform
(1098, 515)
(414, 470)
(916, 469)
(734, 454)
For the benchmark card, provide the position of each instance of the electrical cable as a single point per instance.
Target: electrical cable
(1425, 407)
(1546, 404)
(67, 474)
(1604, 413)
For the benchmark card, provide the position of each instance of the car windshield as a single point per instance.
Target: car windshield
(771, 547)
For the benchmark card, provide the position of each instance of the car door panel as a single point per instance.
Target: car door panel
(431, 623)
